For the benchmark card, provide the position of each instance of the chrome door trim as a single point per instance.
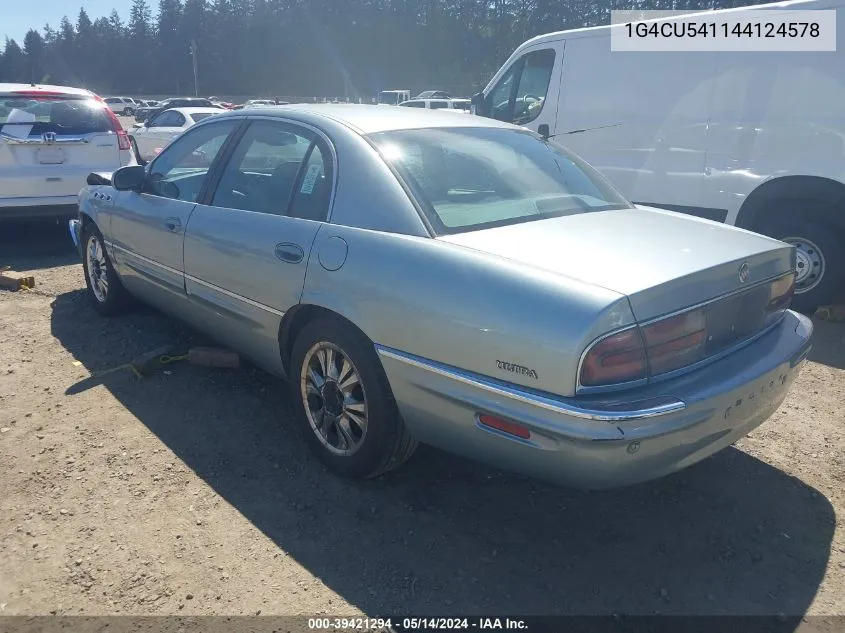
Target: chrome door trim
(234, 295)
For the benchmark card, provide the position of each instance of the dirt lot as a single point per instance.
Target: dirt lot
(189, 493)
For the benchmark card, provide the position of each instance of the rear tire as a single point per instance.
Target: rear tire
(127, 111)
(343, 402)
(105, 290)
(820, 256)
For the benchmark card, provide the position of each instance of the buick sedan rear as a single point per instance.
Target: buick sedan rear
(422, 277)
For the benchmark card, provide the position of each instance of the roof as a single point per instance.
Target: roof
(197, 110)
(370, 119)
(7, 88)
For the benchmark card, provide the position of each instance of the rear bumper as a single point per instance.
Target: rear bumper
(40, 211)
(592, 443)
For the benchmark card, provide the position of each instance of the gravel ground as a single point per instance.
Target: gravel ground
(188, 492)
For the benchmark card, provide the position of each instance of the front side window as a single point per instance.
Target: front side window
(519, 96)
(533, 85)
(474, 178)
(168, 119)
(264, 168)
(181, 169)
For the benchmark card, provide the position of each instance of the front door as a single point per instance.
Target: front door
(246, 251)
(161, 129)
(148, 227)
(527, 92)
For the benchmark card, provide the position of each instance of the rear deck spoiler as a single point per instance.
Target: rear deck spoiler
(99, 178)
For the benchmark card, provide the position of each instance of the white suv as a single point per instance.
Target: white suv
(51, 138)
(122, 105)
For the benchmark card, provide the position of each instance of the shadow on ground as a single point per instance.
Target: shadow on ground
(443, 535)
(828, 344)
(36, 244)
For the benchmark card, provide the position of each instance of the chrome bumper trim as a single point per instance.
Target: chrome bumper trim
(621, 412)
(75, 228)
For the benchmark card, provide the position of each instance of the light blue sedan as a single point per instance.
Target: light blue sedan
(424, 277)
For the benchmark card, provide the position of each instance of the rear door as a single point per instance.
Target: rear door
(50, 143)
(246, 253)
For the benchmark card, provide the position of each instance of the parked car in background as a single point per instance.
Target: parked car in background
(530, 316)
(393, 97)
(254, 103)
(436, 104)
(433, 94)
(757, 141)
(156, 133)
(176, 102)
(122, 105)
(51, 138)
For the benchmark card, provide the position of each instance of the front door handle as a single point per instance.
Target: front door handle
(174, 225)
(289, 252)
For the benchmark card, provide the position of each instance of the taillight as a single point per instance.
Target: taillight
(615, 359)
(681, 340)
(781, 293)
(122, 136)
(676, 341)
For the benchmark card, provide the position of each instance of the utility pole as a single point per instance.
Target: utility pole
(196, 72)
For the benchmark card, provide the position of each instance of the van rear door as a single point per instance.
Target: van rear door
(50, 143)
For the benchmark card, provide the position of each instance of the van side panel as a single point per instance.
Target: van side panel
(644, 115)
(774, 115)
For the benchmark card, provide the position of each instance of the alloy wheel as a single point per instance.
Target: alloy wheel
(96, 259)
(334, 398)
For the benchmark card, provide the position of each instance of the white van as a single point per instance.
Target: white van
(754, 139)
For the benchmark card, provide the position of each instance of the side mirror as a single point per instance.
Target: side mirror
(129, 178)
(147, 122)
(543, 130)
(478, 104)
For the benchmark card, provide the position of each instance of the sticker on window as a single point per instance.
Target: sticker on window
(310, 179)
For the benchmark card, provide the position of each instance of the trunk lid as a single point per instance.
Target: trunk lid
(50, 143)
(663, 261)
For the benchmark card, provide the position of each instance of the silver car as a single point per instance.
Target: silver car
(422, 277)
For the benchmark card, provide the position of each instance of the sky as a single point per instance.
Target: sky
(21, 15)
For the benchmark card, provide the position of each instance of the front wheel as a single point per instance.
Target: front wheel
(819, 260)
(105, 290)
(127, 111)
(343, 402)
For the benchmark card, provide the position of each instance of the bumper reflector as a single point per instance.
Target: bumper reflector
(511, 428)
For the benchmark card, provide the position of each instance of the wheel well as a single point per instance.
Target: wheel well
(825, 190)
(297, 318)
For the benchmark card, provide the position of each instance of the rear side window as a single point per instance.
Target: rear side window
(199, 116)
(435, 105)
(25, 117)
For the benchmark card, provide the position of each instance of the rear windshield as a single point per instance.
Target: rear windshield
(474, 178)
(24, 117)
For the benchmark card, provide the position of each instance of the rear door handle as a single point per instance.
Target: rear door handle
(289, 252)
(174, 225)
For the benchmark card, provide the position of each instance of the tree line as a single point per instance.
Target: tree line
(325, 48)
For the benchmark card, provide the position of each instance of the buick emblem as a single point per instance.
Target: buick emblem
(49, 137)
(744, 272)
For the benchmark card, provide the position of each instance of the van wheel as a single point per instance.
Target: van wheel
(820, 256)
(105, 290)
(343, 402)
